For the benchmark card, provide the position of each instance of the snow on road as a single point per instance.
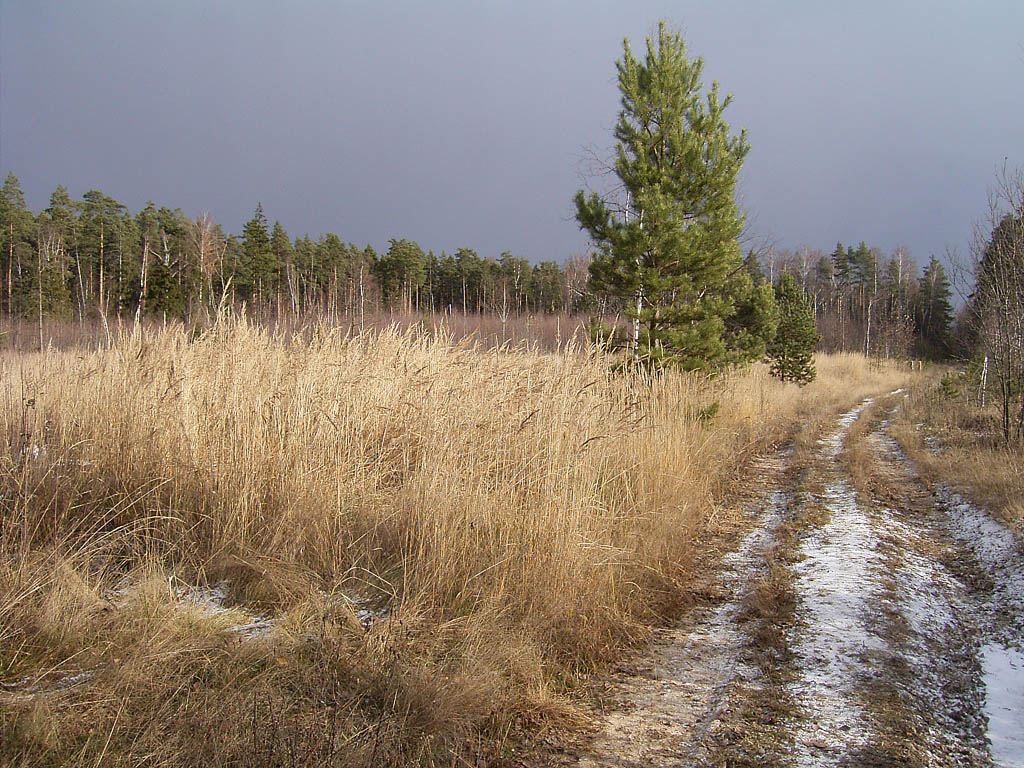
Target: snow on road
(834, 584)
(907, 646)
(672, 702)
(1004, 703)
(1000, 560)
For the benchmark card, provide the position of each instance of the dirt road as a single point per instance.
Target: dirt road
(865, 620)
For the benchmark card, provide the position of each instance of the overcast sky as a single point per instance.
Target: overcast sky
(465, 123)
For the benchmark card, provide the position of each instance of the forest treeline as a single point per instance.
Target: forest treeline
(867, 301)
(93, 257)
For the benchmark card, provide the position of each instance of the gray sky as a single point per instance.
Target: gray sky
(465, 123)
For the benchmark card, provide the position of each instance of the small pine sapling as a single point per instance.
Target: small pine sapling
(791, 352)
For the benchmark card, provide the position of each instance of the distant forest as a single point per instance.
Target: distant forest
(94, 259)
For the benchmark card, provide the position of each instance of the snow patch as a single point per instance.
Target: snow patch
(834, 442)
(1004, 703)
(50, 683)
(997, 551)
(834, 583)
(208, 602)
(1001, 559)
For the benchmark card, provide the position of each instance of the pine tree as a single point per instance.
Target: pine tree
(17, 247)
(934, 314)
(98, 230)
(164, 297)
(402, 271)
(284, 258)
(752, 265)
(49, 284)
(792, 351)
(842, 268)
(258, 258)
(670, 251)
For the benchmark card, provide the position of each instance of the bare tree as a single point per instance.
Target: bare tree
(996, 313)
(207, 247)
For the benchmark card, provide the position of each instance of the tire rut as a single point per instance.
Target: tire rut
(905, 646)
(675, 702)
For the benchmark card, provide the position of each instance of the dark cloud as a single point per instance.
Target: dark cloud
(464, 123)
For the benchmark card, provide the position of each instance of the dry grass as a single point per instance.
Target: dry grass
(445, 538)
(545, 331)
(957, 442)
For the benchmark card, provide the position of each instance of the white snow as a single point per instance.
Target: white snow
(1001, 558)
(835, 585)
(996, 549)
(1004, 703)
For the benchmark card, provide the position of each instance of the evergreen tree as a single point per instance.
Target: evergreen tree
(258, 256)
(669, 252)
(755, 321)
(48, 286)
(470, 269)
(792, 351)
(547, 282)
(305, 261)
(17, 247)
(934, 314)
(842, 268)
(402, 271)
(753, 268)
(130, 248)
(284, 257)
(865, 266)
(164, 297)
(98, 231)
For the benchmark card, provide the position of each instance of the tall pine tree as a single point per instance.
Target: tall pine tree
(670, 250)
(258, 258)
(17, 248)
(934, 313)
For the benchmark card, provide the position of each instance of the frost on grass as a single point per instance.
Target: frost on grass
(997, 613)
(999, 556)
(937, 674)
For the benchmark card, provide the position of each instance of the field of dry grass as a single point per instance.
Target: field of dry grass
(545, 331)
(954, 441)
(242, 548)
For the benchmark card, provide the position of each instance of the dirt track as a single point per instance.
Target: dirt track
(876, 625)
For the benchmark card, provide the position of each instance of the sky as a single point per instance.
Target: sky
(458, 123)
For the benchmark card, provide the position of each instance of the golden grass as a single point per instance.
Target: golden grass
(967, 449)
(445, 538)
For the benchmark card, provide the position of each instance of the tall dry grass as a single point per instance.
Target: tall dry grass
(549, 332)
(953, 440)
(442, 538)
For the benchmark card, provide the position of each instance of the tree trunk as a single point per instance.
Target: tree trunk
(10, 272)
(39, 285)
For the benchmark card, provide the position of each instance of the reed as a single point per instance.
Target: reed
(385, 548)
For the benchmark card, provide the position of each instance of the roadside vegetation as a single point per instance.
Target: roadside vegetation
(953, 439)
(967, 427)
